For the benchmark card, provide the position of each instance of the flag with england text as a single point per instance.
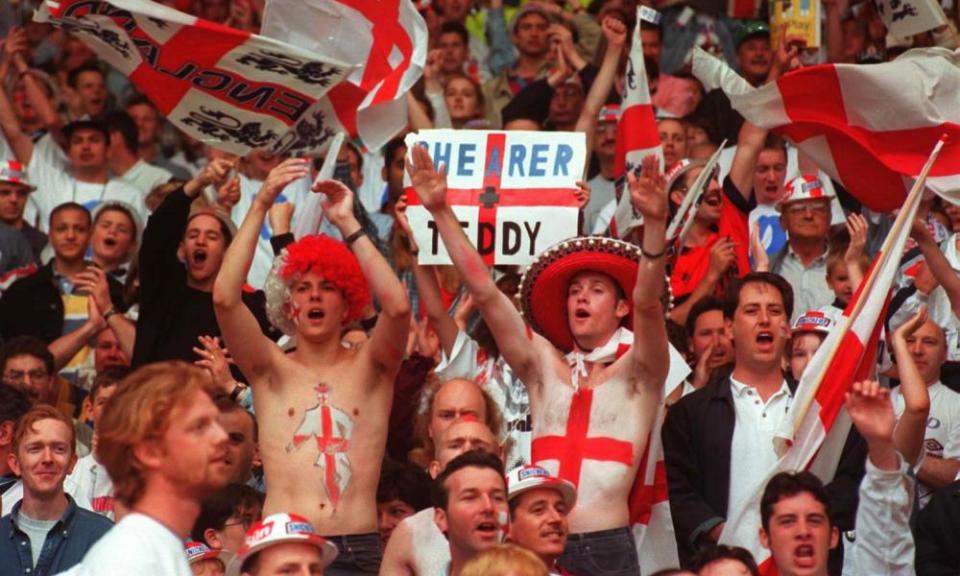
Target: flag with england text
(385, 41)
(870, 127)
(228, 88)
(815, 430)
(637, 135)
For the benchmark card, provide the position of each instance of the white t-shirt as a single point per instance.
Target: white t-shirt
(49, 171)
(942, 438)
(90, 486)
(598, 213)
(146, 177)
(138, 545)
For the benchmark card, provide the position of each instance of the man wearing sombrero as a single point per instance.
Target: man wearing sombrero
(594, 385)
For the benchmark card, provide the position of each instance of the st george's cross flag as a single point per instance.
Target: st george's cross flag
(637, 135)
(228, 88)
(815, 430)
(870, 128)
(384, 40)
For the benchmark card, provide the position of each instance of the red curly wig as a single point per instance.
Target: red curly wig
(333, 261)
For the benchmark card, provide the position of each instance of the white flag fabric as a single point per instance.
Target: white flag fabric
(637, 135)
(225, 87)
(904, 18)
(384, 40)
(871, 128)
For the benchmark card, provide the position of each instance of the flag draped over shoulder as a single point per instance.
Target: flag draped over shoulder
(637, 135)
(386, 42)
(870, 127)
(228, 88)
(815, 430)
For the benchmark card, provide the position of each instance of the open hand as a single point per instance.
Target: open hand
(429, 183)
(280, 177)
(338, 204)
(871, 411)
(648, 191)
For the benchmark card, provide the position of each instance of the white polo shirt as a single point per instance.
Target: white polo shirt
(752, 454)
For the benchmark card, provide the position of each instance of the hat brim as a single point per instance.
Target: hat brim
(328, 552)
(29, 187)
(543, 288)
(224, 556)
(566, 489)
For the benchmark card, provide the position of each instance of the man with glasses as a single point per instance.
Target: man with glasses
(226, 516)
(805, 216)
(27, 365)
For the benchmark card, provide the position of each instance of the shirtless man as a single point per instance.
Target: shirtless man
(324, 408)
(416, 546)
(594, 388)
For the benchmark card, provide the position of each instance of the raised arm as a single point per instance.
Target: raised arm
(427, 286)
(386, 347)
(749, 144)
(508, 328)
(616, 35)
(651, 357)
(939, 265)
(254, 353)
(13, 46)
(913, 422)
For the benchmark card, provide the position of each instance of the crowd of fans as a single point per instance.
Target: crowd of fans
(240, 400)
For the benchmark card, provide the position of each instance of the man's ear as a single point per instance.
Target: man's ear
(764, 538)
(676, 197)
(6, 432)
(212, 539)
(440, 519)
(181, 256)
(434, 469)
(149, 454)
(13, 463)
(622, 309)
(834, 537)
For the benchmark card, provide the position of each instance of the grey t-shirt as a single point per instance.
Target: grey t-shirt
(37, 531)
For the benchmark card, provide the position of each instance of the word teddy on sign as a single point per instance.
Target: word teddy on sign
(513, 192)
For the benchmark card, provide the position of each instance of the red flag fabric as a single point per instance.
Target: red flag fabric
(861, 124)
(228, 88)
(386, 40)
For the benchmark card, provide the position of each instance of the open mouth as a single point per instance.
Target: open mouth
(487, 529)
(581, 313)
(199, 256)
(765, 337)
(315, 314)
(109, 242)
(803, 555)
(712, 200)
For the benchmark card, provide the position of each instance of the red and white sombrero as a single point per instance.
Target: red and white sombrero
(543, 288)
(803, 188)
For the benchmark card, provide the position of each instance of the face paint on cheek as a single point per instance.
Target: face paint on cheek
(784, 330)
(295, 314)
(503, 527)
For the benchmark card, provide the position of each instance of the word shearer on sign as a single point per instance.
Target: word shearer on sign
(514, 193)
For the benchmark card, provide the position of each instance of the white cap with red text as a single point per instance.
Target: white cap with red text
(525, 478)
(280, 529)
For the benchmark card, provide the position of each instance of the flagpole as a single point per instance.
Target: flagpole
(904, 218)
(694, 194)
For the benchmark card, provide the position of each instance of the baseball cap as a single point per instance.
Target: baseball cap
(198, 551)
(749, 30)
(86, 124)
(279, 529)
(217, 213)
(817, 321)
(804, 188)
(526, 478)
(15, 172)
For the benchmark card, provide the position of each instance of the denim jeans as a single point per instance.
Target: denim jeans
(604, 553)
(358, 554)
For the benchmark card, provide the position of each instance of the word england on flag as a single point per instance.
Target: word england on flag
(228, 88)
(514, 193)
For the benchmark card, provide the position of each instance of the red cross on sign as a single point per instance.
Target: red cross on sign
(575, 446)
(490, 196)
